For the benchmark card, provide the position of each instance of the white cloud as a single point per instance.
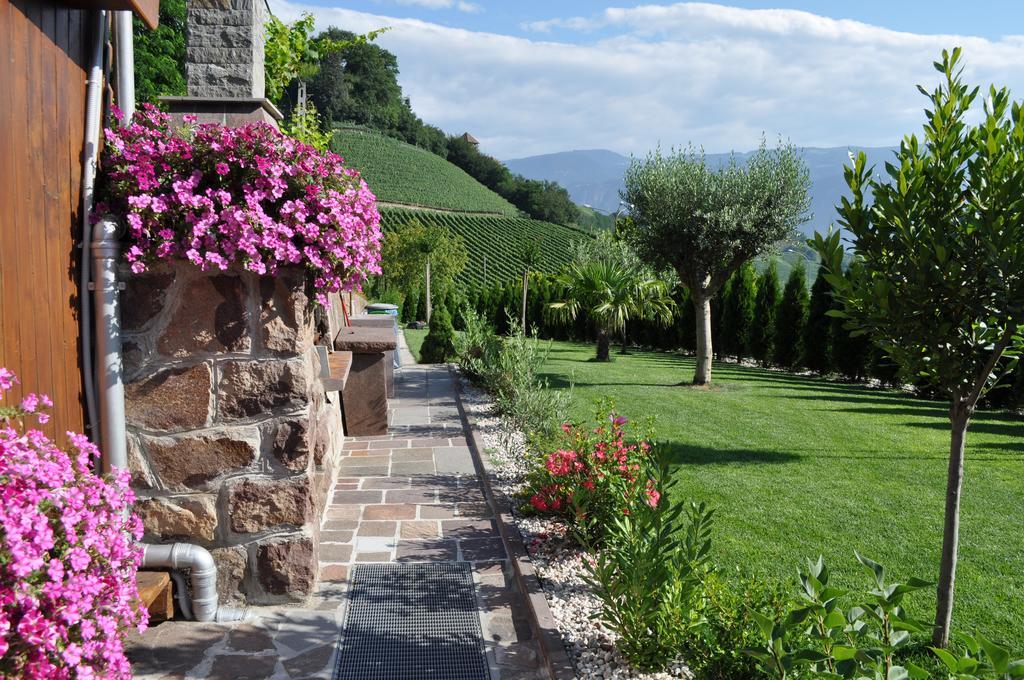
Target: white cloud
(469, 7)
(692, 72)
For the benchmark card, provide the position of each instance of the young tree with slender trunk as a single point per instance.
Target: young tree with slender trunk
(705, 223)
(940, 281)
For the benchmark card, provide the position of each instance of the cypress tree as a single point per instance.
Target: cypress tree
(762, 333)
(738, 312)
(792, 319)
(818, 333)
(850, 353)
(439, 345)
(421, 309)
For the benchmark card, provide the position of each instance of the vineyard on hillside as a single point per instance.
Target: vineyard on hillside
(401, 173)
(495, 244)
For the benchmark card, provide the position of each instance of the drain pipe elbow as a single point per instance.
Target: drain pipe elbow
(202, 575)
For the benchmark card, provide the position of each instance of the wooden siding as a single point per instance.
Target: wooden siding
(43, 55)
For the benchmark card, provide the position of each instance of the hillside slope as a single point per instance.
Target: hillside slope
(403, 174)
(411, 183)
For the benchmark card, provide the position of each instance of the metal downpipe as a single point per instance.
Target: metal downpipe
(113, 437)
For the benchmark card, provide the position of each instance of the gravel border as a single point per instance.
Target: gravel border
(545, 561)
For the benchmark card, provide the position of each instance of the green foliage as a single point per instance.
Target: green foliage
(817, 341)
(609, 295)
(726, 626)
(541, 200)
(791, 320)
(407, 248)
(766, 308)
(981, 658)
(439, 345)
(305, 126)
(509, 368)
(737, 317)
(647, 578)
(160, 54)
(495, 242)
(404, 174)
(819, 637)
(704, 223)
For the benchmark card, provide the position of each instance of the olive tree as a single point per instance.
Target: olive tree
(705, 223)
(414, 254)
(939, 281)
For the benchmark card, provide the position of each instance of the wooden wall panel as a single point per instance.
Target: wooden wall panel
(43, 52)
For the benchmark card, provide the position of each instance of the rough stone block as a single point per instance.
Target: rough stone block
(143, 297)
(190, 462)
(173, 399)
(231, 564)
(286, 317)
(193, 518)
(258, 505)
(290, 442)
(254, 388)
(287, 567)
(141, 476)
(211, 316)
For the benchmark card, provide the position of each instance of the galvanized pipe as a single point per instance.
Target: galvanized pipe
(125, 44)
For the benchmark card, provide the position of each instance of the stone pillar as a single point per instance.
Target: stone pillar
(224, 63)
(232, 443)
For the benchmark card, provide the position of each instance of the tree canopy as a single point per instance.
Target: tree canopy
(160, 54)
(704, 223)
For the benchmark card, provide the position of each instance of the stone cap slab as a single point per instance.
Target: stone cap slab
(365, 340)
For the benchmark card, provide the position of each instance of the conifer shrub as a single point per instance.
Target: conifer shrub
(439, 345)
(791, 320)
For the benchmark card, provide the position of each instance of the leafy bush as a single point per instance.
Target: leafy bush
(507, 368)
(439, 345)
(725, 624)
(218, 195)
(67, 554)
(646, 577)
(595, 476)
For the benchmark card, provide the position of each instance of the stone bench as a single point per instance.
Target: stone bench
(339, 365)
(364, 399)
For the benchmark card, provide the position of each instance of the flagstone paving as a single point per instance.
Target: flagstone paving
(412, 495)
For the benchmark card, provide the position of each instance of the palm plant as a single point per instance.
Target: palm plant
(610, 295)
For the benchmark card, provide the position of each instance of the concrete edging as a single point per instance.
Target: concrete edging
(555, 658)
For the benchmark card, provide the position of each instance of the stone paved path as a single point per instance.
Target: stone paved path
(411, 495)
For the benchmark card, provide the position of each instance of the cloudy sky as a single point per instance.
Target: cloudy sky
(529, 77)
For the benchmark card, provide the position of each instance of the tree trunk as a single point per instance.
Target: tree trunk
(702, 309)
(526, 283)
(959, 418)
(603, 345)
(625, 341)
(430, 308)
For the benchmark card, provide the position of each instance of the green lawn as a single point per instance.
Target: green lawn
(414, 339)
(798, 466)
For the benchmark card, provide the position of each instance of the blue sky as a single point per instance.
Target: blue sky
(529, 77)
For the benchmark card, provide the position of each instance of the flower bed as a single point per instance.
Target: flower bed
(68, 555)
(217, 195)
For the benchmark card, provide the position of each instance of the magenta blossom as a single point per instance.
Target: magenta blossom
(68, 555)
(218, 196)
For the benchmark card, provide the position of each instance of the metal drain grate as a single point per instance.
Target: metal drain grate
(412, 622)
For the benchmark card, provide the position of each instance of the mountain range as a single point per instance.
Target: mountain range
(594, 177)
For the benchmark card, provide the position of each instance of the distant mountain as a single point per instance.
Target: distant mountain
(594, 177)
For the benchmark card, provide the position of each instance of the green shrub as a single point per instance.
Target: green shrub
(646, 577)
(714, 648)
(791, 320)
(762, 333)
(439, 345)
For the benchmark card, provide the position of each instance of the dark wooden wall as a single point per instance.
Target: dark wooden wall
(43, 61)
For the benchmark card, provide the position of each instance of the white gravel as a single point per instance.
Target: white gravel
(558, 561)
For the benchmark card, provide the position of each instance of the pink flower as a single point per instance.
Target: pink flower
(653, 495)
(222, 168)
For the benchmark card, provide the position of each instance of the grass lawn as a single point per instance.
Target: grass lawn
(798, 467)
(414, 339)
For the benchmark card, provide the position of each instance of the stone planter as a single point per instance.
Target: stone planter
(232, 442)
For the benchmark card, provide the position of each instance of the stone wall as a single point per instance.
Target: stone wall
(225, 48)
(233, 443)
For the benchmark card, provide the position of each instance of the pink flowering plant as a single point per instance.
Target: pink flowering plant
(597, 473)
(68, 553)
(250, 195)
